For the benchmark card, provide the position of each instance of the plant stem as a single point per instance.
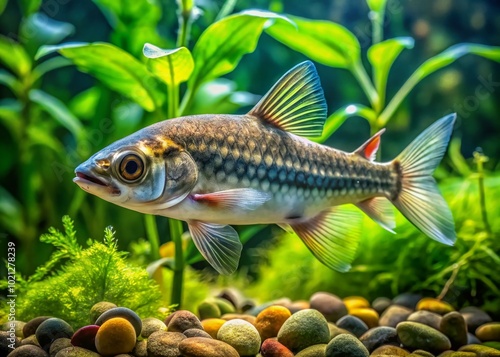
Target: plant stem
(362, 77)
(152, 233)
(480, 159)
(184, 16)
(377, 19)
(177, 285)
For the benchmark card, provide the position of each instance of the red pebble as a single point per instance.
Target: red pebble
(272, 348)
(85, 337)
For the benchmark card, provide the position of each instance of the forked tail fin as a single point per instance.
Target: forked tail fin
(419, 199)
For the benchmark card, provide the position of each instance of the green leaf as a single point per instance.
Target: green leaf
(3, 3)
(57, 110)
(434, 64)
(114, 67)
(323, 41)
(13, 55)
(222, 45)
(171, 66)
(10, 112)
(382, 55)
(130, 12)
(11, 213)
(11, 82)
(49, 65)
(376, 5)
(31, 6)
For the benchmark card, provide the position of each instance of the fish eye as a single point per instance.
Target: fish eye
(131, 167)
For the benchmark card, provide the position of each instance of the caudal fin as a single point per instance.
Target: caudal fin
(419, 199)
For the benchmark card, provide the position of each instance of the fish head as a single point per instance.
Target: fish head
(144, 175)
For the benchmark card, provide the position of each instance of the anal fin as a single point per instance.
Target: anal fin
(380, 210)
(219, 245)
(332, 236)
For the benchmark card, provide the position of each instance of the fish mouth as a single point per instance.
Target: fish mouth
(82, 176)
(92, 184)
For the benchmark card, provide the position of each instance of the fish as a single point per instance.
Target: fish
(215, 171)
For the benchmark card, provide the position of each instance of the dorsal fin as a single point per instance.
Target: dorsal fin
(369, 149)
(296, 103)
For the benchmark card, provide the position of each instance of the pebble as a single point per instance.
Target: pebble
(454, 327)
(270, 320)
(438, 306)
(18, 327)
(394, 314)
(369, 316)
(241, 335)
(59, 344)
(98, 309)
(205, 347)
(472, 339)
(379, 336)
(208, 310)
(165, 344)
(303, 329)
(194, 332)
(313, 351)
(474, 317)
(352, 324)
(28, 351)
(346, 346)
(355, 302)
(141, 349)
(5, 340)
(389, 350)
(181, 321)
(85, 337)
(246, 317)
(408, 300)
(489, 332)
(426, 317)
(298, 305)
(150, 325)
(212, 326)
(335, 330)
(224, 305)
(457, 354)
(76, 352)
(380, 304)
(481, 351)
(234, 296)
(415, 335)
(420, 353)
(331, 306)
(272, 348)
(123, 313)
(116, 335)
(30, 340)
(31, 326)
(52, 329)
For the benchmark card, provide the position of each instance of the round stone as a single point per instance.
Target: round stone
(234, 296)
(59, 344)
(165, 344)
(454, 327)
(116, 335)
(246, 317)
(298, 305)
(379, 336)
(150, 325)
(52, 329)
(194, 332)
(140, 349)
(335, 330)
(426, 317)
(393, 315)
(474, 317)
(367, 315)
(242, 335)
(380, 304)
(389, 350)
(438, 306)
(346, 346)
(313, 351)
(8, 341)
(212, 326)
(408, 300)
(206, 347)
(421, 353)
(224, 305)
(415, 335)
(489, 332)
(352, 324)
(28, 351)
(123, 313)
(355, 302)
(14, 326)
(182, 320)
(331, 306)
(31, 326)
(272, 348)
(270, 320)
(303, 329)
(30, 340)
(98, 309)
(85, 337)
(208, 310)
(457, 354)
(481, 351)
(76, 352)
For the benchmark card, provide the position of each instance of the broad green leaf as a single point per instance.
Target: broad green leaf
(31, 6)
(11, 82)
(323, 41)
(171, 66)
(434, 64)
(222, 45)
(334, 121)
(376, 5)
(114, 67)
(57, 110)
(13, 55)
(382, 55)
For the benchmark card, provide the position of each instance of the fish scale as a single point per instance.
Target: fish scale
(216, 170)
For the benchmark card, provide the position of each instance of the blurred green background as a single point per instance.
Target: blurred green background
(53, 120)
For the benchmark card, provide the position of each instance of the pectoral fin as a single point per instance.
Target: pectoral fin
(332, 236)
(219, 245)
(380, 210)
(242, 198)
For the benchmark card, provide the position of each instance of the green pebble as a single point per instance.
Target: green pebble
(416, 335)
(224, 305)
(346, 346)
(389, 350)
(420, 353)
(209, 310)
(481, 351)
(454, 327)
(98, 309)
(303, 329)
(241, 335)
(17, 326)
(313, 351)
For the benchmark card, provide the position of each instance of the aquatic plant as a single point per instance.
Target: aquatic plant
(75, 278)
